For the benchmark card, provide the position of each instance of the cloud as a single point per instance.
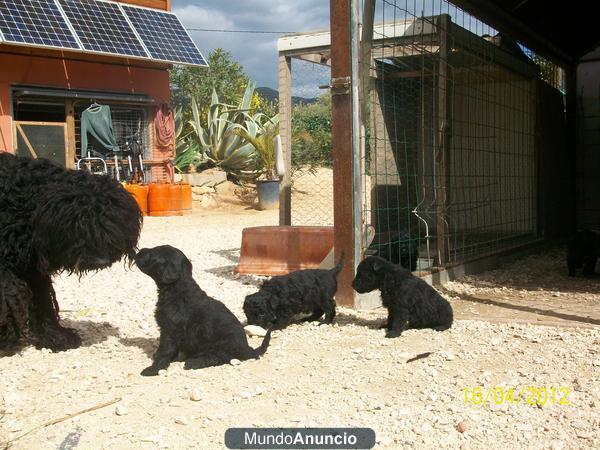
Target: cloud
(256, 52)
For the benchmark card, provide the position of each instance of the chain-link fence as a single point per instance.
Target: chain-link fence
(450, 169)
(312, 170)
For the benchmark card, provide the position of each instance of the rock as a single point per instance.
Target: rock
(195, 395)
(208, 201)
(121, 410)
(358, 351)
(255, 330)
(462, 426)
(557, 445)
(181, 420)
(235, 362)
(227, 188)
(245, 394)
(201, 190)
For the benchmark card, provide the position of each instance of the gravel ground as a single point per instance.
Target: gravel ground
(347, 374)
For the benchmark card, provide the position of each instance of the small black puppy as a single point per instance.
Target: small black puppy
(582, 251)
(410, 301)
(397, 247)
(283, 298)
(190, 321)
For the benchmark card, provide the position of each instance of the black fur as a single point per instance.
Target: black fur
(282, 298)
(54, 220)
(582, 251)
(190, 321)
(410, 301)
(397, 247)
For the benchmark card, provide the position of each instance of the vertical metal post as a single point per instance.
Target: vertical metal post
(356, 129)
(343, 167)
(441, 148)
(285, 132)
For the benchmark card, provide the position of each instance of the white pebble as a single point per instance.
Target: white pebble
(235, 362)
(121, 410)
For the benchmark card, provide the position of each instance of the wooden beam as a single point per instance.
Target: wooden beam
(70, 136)
(285, 133)
(341, 104)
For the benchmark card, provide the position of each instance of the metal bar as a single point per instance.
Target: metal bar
(341, 109)
(441, 160)
(285, 132)
(357, 127)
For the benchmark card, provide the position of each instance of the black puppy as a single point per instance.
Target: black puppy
(190, 321)
(397, 247)
(410, 301)
(582, 251)
(282, 299)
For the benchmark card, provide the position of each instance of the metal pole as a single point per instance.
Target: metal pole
(356, 127)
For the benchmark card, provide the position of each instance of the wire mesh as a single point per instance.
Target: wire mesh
(312, 159)
(449, 161)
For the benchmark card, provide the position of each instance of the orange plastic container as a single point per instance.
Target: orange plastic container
(140, 193)
(164, 200)
(186, 198)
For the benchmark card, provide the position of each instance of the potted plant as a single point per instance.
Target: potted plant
(261, 133)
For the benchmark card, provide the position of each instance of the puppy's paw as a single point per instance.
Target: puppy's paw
(150, 371)
(393, 334)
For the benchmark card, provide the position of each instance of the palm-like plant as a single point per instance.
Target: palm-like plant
(260, 132)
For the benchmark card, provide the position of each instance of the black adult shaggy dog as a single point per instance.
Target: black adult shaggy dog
(582, 251)
(410, 301)
(54, 220)
(190, 321)
(283, 298)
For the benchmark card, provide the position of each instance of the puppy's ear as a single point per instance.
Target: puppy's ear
(170, 273)
(378, 266)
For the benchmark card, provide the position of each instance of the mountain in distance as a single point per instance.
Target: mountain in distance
(273, 95)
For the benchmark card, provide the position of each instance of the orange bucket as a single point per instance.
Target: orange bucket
(164, 200)
(186, 198)
(140, 193)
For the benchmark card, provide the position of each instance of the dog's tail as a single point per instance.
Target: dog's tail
(258, 352)
(338, 267)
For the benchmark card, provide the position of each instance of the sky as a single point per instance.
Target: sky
(257, 53)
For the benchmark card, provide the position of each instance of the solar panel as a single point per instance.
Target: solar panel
(164, 36)
(102, 27)
(35, 22)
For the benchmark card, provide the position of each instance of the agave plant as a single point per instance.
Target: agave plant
(188, 151)
(217, 142)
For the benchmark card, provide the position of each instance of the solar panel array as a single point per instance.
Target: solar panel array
(98, 26)
(164, 36)
(35, 22)
(102, 27)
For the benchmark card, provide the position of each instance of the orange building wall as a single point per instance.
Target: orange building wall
(47, 71)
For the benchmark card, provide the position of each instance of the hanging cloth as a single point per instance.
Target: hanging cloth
(165, 127)
(97, 121)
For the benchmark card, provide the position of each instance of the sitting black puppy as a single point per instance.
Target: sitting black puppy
(190, 321)
(397, 247)
(582, 251)
(410, 301)
(283, 298)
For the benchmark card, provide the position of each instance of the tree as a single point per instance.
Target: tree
(224, 75)
(311, 135)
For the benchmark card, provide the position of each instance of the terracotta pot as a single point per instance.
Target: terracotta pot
(279, 250)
